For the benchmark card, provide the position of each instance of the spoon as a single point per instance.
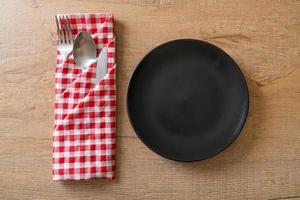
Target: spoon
(84, 50)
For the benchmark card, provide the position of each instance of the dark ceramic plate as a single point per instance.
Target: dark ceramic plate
(187, 100)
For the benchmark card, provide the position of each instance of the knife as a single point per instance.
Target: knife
(101, 69)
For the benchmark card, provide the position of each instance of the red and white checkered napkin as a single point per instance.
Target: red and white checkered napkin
(84, 138)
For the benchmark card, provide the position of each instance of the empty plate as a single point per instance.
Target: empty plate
(187, 100)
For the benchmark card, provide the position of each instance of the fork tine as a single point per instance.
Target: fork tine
(57, 24)
(59, 39)
(69, 29)
(64, 30)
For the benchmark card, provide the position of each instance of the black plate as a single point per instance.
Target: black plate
(187, 100)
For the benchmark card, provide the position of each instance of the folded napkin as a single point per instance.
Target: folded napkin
(84, 138)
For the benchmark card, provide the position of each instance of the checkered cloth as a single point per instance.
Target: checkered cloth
(84, 138)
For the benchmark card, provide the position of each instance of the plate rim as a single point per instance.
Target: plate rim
(244, 119)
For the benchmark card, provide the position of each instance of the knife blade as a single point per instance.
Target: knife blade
(101, 69)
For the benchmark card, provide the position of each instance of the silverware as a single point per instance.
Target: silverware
(84, 50)
(101, 69)
(65, 38)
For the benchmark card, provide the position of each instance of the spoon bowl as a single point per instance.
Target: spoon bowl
(84, 50)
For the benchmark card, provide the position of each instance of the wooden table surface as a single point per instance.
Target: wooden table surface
(263, 36)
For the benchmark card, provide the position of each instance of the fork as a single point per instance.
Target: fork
(65, 39)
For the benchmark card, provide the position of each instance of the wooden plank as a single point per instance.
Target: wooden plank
(263, 38)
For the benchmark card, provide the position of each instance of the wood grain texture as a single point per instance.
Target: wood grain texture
(263, 36)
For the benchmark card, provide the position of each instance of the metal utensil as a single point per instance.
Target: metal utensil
(65, 38)
(84, 50)
(101, 69)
